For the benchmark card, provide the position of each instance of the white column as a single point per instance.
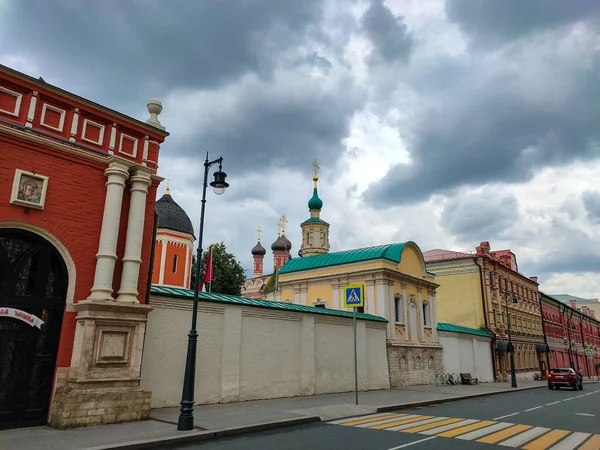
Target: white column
(407, 315)
(163, 259)
(392, 310)
(140, 181)
(116, 174)
(433, 314)
(420, 318)
(370, 300)
(303, 296)
(382, 299)
(336, 296)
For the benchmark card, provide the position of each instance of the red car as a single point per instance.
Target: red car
(564, 377)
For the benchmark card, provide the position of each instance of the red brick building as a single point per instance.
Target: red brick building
(569, 333)
(77, 191)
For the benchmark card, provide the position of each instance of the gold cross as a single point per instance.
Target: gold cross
(316, 167)
(282, 223)
(258, 231)
(169, 180)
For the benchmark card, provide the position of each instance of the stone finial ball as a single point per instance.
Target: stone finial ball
(154, 106)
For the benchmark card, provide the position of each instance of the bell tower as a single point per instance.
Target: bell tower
(315, 231)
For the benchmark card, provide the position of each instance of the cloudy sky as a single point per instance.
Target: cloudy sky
(442, 122)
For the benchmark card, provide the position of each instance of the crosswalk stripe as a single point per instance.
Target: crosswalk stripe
(372, 420)
(401, 422)
(353, 419)
(503, 434)
(524, 437)
(545, 441)
(410, 425)
(484, 431)
(431, 425)
(384, 421)
(571, 442)
(592, 444)
(462, 430)
(449, 427)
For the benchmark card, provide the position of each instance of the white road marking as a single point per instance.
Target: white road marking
(533, 409)
(582, 395)
(585, 414)
(553, 403)
(485, 431)
(571, 442)
(590, 393)
(567, 399)
(452, 426)
(415, 424)
(503, 417)
(381, 422)
(352, 419)
(412, 443)
(521, 438)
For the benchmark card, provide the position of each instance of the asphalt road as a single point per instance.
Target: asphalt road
(538, 419)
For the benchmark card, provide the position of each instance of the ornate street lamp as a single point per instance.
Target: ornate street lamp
(186, 414)
(511, 348)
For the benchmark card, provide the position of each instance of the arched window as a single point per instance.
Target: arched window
(174, 263)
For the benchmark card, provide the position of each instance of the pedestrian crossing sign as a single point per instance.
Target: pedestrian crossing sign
(354, 296)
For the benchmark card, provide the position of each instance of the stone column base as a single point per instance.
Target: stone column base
(79, 406)
(103, 383)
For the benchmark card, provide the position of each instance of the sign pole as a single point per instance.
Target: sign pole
(355, 359)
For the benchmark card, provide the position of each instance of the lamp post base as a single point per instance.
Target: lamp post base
(185, 422)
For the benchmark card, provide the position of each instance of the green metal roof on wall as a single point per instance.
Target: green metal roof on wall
(314, 220)
(392, 252)
(460, 329)
(234, 300)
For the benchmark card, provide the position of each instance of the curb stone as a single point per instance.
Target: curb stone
(388, 408)
(188, 437)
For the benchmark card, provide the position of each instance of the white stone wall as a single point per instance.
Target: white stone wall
(250, 353)
(467, 353)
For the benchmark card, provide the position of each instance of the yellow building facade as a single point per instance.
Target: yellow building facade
(396, 284)
(475, 290)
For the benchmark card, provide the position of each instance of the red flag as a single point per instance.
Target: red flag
(208, 276)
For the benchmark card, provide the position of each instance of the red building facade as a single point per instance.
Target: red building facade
(569, 333)
(77, 190)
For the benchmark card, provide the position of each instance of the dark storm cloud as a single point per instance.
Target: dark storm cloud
(273, 126)
(493, 22)
(591, 202)
(496, 128)
(119, 46)
(479, 216)
(387, 32)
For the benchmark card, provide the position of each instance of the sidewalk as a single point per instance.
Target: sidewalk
(235, 418)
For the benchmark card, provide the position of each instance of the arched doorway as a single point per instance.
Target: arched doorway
(33, 284)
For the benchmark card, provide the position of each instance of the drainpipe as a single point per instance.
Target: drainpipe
(544, 330)
(485, 318)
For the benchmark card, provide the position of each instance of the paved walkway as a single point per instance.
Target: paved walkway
(231, 418)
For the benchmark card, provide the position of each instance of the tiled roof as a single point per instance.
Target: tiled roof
(392, 252)
(438, 254)
(188, 294)
(460, 329)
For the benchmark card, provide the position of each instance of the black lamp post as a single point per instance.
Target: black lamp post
(186, 415)
(513, 376)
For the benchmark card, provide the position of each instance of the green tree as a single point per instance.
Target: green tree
(228, 274)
